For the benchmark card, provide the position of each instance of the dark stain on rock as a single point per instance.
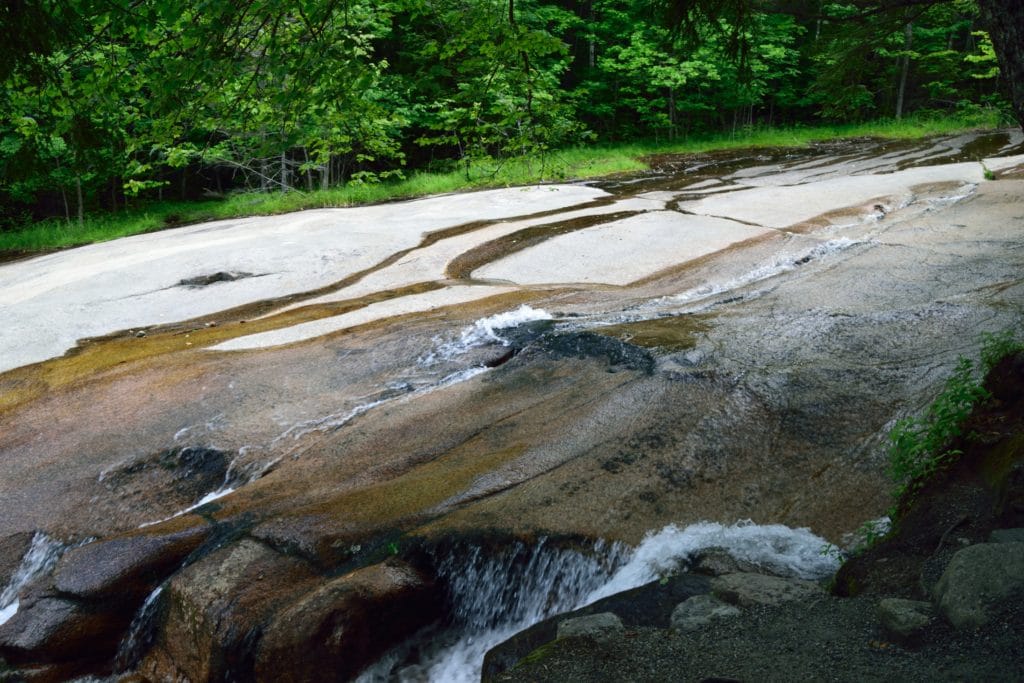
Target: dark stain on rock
(213, 278)
(582, 345)
(182, 474)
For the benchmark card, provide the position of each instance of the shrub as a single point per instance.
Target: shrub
(923, 445)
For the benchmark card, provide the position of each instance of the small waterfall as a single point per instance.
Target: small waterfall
(140, 634)
(494, 596)
(40, 558)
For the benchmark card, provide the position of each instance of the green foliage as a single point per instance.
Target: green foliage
(921, 446)
(114, 103)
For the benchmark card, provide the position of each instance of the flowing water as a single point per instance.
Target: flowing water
(498, 594)
(38, 561)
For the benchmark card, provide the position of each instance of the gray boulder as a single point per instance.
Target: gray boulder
(979, 581)
(597, 627)
(50, 629)
(905, 620)
(757, 589)
(718, 561)
(699, 611)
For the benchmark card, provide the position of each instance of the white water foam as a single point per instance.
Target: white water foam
(485, 331)
(781, 549)
(39, 559)
(495, 597)
(328, 422)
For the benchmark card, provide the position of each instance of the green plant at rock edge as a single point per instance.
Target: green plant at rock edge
(922, 445)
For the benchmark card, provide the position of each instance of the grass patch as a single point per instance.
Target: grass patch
(573, 163)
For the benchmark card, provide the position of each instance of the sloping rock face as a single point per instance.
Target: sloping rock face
(749, 374)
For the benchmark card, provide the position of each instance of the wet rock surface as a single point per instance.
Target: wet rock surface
(50, 629)
(127, 568)
(757, 382)
(12, 549)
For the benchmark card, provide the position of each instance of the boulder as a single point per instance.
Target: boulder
(905, 620)
(700, 610)
(745, 589)
(51, 629)
(125, 570)
(718, 561)
(600, 627)
(215, 611)
(979, 582)
(347, 624)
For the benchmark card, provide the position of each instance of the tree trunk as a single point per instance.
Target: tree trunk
(78, 194)
(67, 209)
(671, 113)
(309, 171)
(908, 42)
(592, 44)
(1005, 24)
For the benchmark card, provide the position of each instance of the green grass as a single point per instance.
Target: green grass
(566, 164)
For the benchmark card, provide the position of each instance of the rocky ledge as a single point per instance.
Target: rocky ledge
(940, 598)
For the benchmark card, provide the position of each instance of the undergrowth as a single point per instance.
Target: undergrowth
(921, 446)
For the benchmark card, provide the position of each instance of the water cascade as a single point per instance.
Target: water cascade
(140, 633)
(40, 558)
(496, 595)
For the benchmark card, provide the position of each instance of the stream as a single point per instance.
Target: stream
(231, 478)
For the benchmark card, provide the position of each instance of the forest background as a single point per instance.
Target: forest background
(108, 104)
